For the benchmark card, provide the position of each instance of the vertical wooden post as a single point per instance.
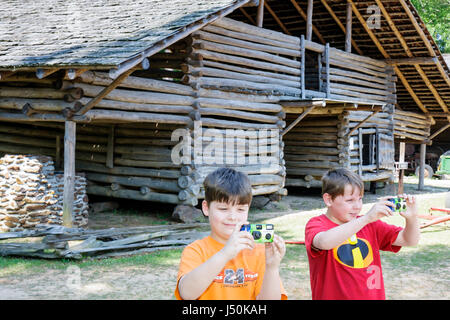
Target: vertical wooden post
(327, 69)
(401, 174)
(423, 148)
(309, 13)
(360, 145)
(58, 153)
(69, 172)
(348, 29)
(303, 63)
(110, 149)
(260, 14)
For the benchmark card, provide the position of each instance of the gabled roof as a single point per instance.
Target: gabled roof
(63, 33)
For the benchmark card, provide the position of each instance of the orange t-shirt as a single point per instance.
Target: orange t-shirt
(240, 279)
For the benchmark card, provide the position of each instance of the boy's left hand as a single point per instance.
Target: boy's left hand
(411, 206)
(275, 252)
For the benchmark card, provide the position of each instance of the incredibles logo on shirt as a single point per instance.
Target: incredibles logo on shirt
(354, 253)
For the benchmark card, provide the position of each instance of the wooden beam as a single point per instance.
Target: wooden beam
(362, 122)
(294, 123)
(260, 14)
(439, 131)
(423, 148)
(274, 15)
(409, 53)
(411, 61)
(309, 15)
(386, 56)
(348, 28)
(249, 17)
(427, 42)
(339, 23)
(69, 172)
(304, 16)
(94, 101)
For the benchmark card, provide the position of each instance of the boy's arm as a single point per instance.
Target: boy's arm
(195, 282)
(409, 236)
(271, 285)
(327, 240)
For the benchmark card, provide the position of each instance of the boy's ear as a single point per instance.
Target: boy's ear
(327, 199)
(205, 208)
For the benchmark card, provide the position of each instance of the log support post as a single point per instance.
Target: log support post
(260, 14)
(423, 148)
(69, 172)
(348, 29)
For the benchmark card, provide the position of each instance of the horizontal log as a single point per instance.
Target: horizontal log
(133, 82)
(128, 171)
(114, 115)
(250, 53)
(251, 71)
(144, 107)
(243, 35)
(224, 82)
(203, 35)
(239, 114)
(137, 96)
(246, 62)
(219, 73)
(136, 195)
(132, 181)
(239, 105)
(209, 122)
(238, 26)
(36, 104)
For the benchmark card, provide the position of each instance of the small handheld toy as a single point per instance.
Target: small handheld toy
(399, 204)
(262, 233)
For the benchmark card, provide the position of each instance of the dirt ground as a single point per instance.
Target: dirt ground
(136, 279)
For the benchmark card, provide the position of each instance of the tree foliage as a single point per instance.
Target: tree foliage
(436, 16)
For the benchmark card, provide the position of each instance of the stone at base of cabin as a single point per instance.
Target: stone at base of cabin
(259, 202)
(188, 214)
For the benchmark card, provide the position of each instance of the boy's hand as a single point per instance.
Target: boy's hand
(411, 206)
(238, 241)
(275, 252)
(380, 209)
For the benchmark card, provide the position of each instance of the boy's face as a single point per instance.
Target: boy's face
(223, 218)
(346, 207)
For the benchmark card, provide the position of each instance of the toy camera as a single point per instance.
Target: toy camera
(399, 204)
(261, 232)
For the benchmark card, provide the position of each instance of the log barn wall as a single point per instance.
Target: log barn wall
(325, 144)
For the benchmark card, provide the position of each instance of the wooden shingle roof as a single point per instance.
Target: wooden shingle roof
(105, 33)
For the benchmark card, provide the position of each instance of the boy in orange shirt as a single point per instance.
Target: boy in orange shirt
(228, 264)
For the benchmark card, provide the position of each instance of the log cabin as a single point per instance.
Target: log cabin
(147, 98)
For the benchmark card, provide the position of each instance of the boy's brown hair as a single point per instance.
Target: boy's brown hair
(228, 185)
(335, 180)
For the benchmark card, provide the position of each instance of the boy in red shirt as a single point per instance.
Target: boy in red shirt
(343, 248)
(228, 264)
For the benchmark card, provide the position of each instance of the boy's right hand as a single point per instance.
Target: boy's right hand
(238, 241)
(380, 209)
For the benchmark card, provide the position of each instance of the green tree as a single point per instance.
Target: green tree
(436, 15)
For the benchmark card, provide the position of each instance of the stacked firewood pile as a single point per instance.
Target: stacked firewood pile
(31, 193)
(58, 242)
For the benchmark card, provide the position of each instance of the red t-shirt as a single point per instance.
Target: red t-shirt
(352, 270)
